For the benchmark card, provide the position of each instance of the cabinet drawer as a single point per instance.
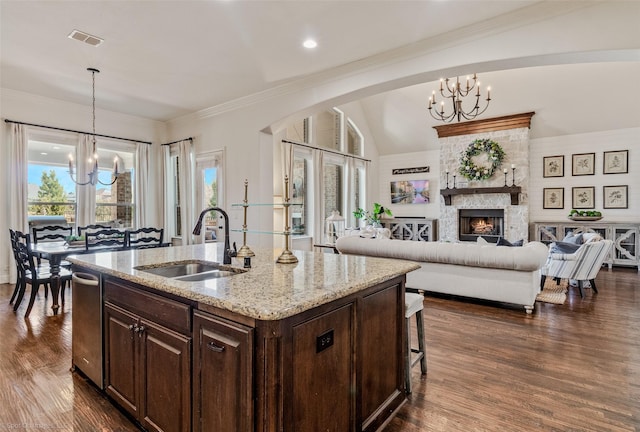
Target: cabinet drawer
(169, 313)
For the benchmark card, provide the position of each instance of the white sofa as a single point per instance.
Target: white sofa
(489, 272)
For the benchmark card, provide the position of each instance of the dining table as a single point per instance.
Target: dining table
(55, 252)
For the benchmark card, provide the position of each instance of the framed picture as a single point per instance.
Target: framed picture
(615, 197)
(410, 192)
(553, 166)
(615, 162)
(553, 198)
(583, 164)
(583, 197)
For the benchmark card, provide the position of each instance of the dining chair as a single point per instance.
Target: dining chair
(108, 238)
(30, 273)
(96, 227)
(51, 233)
(14, 237)
(144, 238)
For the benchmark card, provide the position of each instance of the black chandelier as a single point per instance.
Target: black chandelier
(456, 92)
(93, 161)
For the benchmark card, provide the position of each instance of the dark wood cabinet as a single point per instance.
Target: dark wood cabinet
(335, 367)
(323, 373)
(222, 375)
(147, 366)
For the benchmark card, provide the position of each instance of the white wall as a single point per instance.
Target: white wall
(598, 143)
(429, 158)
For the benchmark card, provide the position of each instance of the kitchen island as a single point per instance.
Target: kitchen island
(316, 345)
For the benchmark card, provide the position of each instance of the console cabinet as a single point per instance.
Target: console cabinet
(417, 229)
(625, 236)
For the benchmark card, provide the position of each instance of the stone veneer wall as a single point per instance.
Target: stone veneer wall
(515, 143)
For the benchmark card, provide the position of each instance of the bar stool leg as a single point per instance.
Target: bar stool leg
(421, 342)
(407, 358)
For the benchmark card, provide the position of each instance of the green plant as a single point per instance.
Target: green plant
(372, 217)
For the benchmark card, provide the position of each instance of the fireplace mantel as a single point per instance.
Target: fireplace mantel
(514, 191)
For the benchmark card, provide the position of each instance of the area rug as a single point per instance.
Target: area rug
(553, 293)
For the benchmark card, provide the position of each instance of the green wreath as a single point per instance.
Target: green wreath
(495, 155)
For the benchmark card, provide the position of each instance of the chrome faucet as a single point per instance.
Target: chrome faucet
(227, 247)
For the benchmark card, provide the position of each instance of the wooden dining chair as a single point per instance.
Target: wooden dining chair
(144, 238)
(51, 233)
(31, 274)
(108, 238)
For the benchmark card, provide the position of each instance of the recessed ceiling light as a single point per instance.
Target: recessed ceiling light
(310, 43)
(43, 153)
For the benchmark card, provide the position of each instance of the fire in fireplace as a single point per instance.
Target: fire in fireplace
(488, 223)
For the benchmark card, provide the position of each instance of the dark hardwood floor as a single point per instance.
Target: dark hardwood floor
(574, 367)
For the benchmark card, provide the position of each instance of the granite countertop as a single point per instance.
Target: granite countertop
(267, 291)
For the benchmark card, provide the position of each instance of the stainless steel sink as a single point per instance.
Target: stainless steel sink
(190, 271)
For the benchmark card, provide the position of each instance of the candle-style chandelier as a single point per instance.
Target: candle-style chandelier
(93, 161)
(456, 93)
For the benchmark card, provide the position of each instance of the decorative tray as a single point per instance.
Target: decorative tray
(76, 243)
(585, 218)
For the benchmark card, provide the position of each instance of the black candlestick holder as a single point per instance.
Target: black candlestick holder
(513, 176)
(505, 178)
(447, 179)
(454, 181)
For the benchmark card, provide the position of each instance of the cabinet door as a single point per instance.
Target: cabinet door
(323, 373)
(222, 375)
(165, 378)
(120, 356)
(381, 336)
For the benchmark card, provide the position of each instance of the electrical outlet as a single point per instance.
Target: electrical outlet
(324, 341)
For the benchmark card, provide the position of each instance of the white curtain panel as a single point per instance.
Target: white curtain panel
(185, 168)
(18, 192)
(163, 201)
(318, 198)
(350, 177)
(142, 186)
(86, 194)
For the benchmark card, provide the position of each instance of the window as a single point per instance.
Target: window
(209, 190)
(51, 193)
(333, 182)
(300, 198)
(115, 203)
(341, 180)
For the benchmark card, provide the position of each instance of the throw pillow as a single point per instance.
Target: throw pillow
(571, 238)
(563, 248)
(504, 242)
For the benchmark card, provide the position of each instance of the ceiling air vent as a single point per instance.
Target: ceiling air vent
(85, 37)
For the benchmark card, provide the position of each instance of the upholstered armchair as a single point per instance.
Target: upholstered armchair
(582, 265)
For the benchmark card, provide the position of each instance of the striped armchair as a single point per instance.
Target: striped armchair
(582, 265)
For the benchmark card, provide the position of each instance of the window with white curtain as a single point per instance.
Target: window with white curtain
(52, 194)
(341, 184)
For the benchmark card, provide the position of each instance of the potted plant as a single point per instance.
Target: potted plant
(372, 217)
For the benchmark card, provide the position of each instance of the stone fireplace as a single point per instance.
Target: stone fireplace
(493, 194)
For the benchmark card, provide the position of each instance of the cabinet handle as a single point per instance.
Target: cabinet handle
(132, 327)
(140, 330)
(215, 347)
